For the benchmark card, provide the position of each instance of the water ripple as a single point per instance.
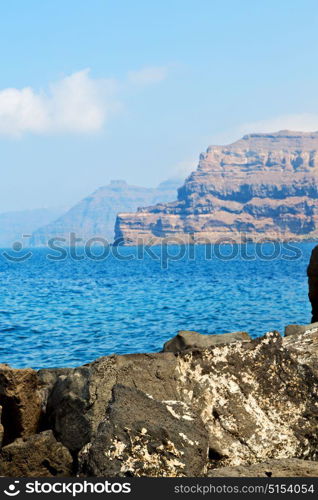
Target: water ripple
(69, 313)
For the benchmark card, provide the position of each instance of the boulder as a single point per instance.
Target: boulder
(46, 379)
(291, 467)
(256, 400)
(21, 404)
(300, 329)
(194, 340)
(144, 437)
(304, 347)
(39, 455)
(78, 401)
(1, 428)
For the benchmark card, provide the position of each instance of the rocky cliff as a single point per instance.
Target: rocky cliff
(202, 407)
(95, 215)
(263, 184)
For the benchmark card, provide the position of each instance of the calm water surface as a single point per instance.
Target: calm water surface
(66, 313)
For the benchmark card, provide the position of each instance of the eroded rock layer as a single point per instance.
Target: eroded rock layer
(263, 184)
(183, 413)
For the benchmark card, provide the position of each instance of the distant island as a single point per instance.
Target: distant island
(94, 216)
(263, 184)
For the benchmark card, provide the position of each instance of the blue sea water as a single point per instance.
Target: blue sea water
(70, 311)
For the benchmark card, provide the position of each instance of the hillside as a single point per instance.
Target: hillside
(263, 184)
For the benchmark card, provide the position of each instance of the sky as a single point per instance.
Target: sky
(135, 90)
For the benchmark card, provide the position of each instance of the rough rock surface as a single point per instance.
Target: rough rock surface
(1, 427)
(226, 405)
(300, 329)
(305, 347)
(141, 436)
(263, 184)
(21, 405)
(34, 456)
(190, 340)
(292, 467)
(255, 400)
(78, 401)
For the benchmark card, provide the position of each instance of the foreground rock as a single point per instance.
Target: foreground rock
(192, 340)
(36, 456)
(21, 405)
(304, 346)
(1, 427)
(141, 436)
(255, 400)
(78, 402)
(300, 329)
(169, 414)
(271, 468)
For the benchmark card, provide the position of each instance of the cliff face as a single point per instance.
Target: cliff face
(95, 215)
(261, 184)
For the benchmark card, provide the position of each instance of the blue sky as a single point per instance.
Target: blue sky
(135, 90)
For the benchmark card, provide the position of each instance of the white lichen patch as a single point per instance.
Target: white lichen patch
(179, 409)
(173, 413)
(116, 449)
(245, 420)
(186, 439)
(164, 461)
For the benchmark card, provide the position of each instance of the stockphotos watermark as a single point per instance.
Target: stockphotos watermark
(170, 249)
(73, 488)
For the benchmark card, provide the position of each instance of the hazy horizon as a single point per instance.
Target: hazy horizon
(101, 91)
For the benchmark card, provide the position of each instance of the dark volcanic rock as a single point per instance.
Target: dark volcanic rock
(39, 455)
(263, 184)
(1, 427)
(254, 398)
(78, 401)
(291, 467)
(240, 403)
(191, 340)
(141, 437)
(312, 272)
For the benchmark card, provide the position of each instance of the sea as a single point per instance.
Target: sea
(64, 308)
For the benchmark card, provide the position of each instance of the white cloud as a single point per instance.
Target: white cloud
(75, 104)
(146, 76)
(79, 103)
